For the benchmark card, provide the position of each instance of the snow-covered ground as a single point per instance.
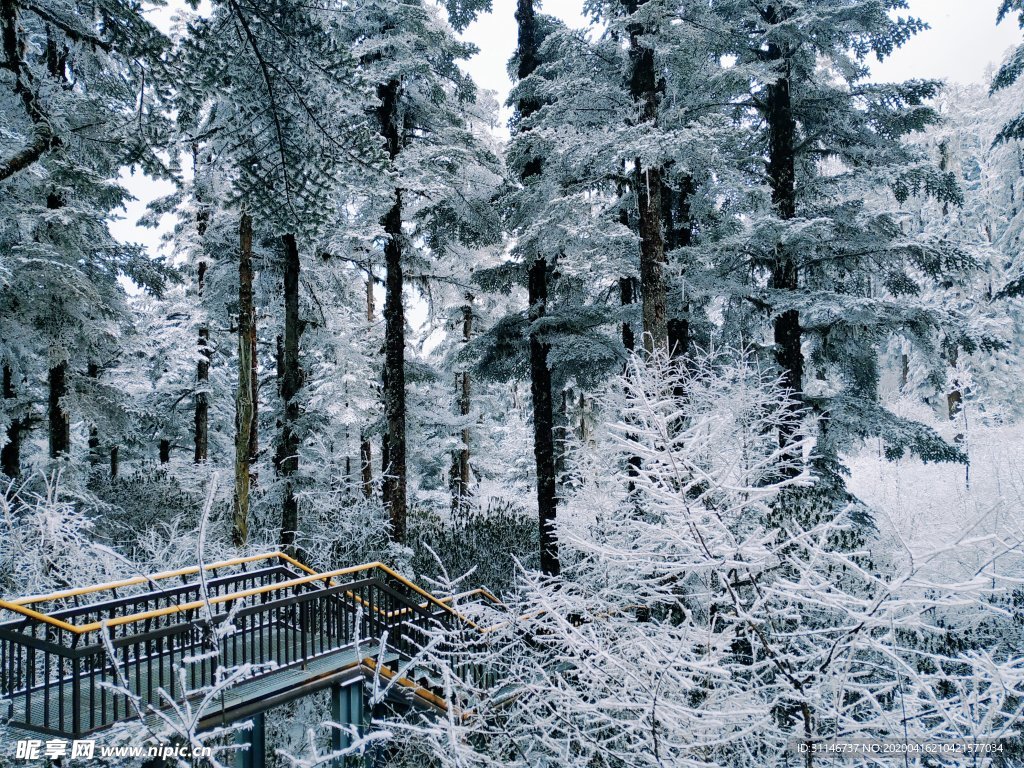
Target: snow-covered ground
(972, 512)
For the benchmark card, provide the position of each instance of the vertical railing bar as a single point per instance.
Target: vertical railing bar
(140, 657)
(210, 664)
(60, 683)
(255, 635)
(76, 691)
(103, 688)
(158, 650)
(171, 677)
(149, 666)
(255, 646)
(129, 665)
(30, 676)
(254, 629)
(323, 606)
(312, 620)
(46, 686)
(284, 641)
(12, 679)
(267, 631)
(302, 630)
(132, 666)
(91, 661)
(191, 638)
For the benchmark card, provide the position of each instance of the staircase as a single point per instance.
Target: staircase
(230, 640)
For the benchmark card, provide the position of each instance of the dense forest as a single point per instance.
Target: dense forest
(708, 367)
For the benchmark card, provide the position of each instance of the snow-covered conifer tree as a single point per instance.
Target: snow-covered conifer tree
(80, 99)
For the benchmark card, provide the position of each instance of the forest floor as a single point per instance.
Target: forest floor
(933, 506)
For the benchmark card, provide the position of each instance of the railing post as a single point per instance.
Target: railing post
(357, 704)
(341, 715)
(347, 711)
(256, 755)
(303, 610)
(76, 690)
(30, 678)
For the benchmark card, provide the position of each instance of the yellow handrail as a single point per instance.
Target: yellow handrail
(17, 606)
(129, 582)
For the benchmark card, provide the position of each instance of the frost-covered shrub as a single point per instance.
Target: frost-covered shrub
(339, 529)
(47, 539)
(488, 541)
(149, 495)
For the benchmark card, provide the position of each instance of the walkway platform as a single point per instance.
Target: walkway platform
(229, 640)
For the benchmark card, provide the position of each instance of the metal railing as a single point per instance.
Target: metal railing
(77, 668)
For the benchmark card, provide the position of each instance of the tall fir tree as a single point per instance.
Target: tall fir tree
(69, 128)
(836, 277)
(409, 51)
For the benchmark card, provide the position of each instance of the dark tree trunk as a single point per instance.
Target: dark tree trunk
(678, 337)
(460, 460)
(115, 462)
(95, 457)
(782, 177)
(10, 454)
(254, 434)
(955, 397)
(526, 21)
(291, 383)
(245, 395)
(202, 399)
(202, 415)
(385, 446)
(394, 487)
(627, 291)
(60, 423)
(165, 451)
(678, 234)
(647, 182)
(94, 447)
(652, 259)
(785, 276)
(393, 449)
(366, 465)
(954, 404)
(95, 454)
(540, 375)
(365, 447)
(627, 297)
(543, 424)
(57, 380)
(15, 49)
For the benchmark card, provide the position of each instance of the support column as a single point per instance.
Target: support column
(256, 755)
(346, 709)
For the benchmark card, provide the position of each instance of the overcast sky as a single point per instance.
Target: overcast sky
(961, 45)
(962, 42)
